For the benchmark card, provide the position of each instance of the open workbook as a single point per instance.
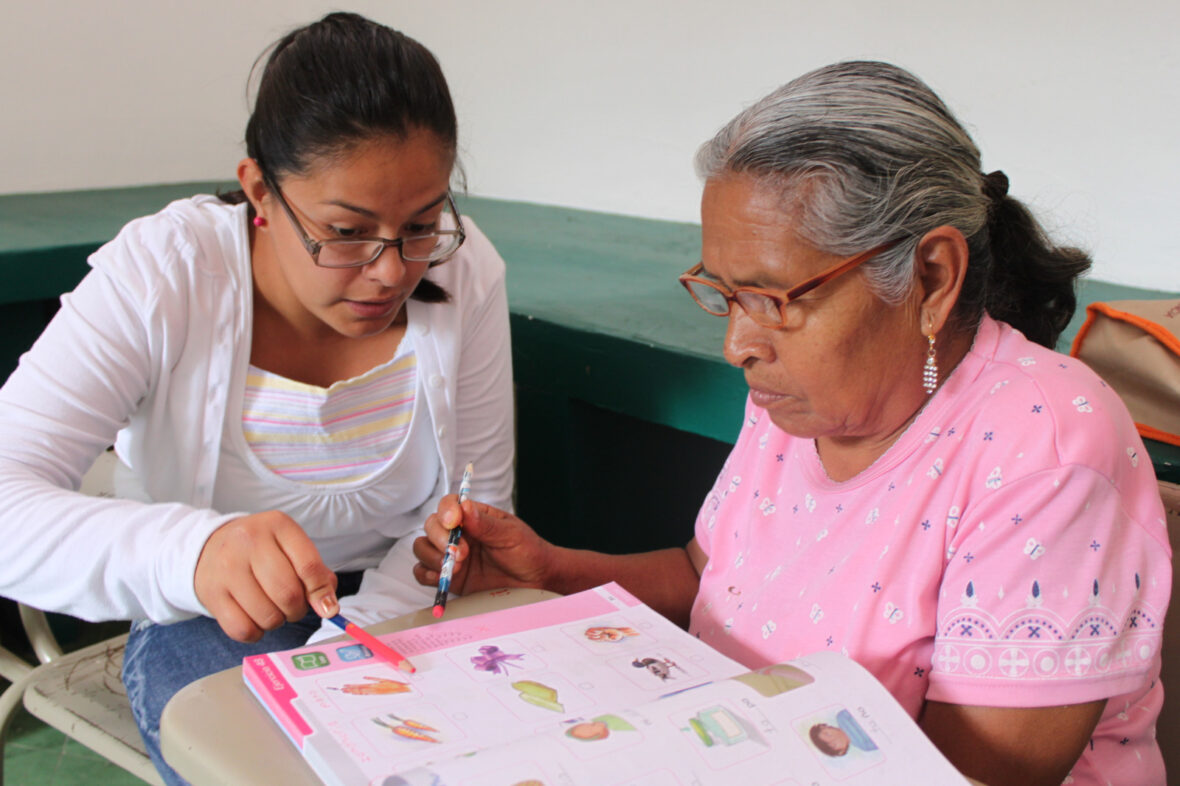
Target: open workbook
(591, 688)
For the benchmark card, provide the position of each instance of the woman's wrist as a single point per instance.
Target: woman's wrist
(564, 570)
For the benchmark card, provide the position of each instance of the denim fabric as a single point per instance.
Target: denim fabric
(161, 659)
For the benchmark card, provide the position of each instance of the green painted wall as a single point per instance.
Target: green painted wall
(625, 406)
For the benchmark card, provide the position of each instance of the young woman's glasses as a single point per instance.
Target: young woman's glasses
(434, 247)
(767, 307)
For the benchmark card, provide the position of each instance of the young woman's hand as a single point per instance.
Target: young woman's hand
(497, 549)
(259, 571)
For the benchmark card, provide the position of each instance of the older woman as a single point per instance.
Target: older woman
(920, 482)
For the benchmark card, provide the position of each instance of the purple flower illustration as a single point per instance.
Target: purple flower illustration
(493, 659)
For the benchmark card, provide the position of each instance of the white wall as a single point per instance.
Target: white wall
(601, 104)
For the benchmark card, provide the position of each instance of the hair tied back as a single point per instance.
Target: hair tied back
(995, 185)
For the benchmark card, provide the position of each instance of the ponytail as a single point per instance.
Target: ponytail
(1027, 281)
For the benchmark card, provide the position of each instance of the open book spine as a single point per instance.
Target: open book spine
(585, 688)
(277, 695)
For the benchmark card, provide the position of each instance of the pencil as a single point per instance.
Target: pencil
(383, 651)
(448, 564)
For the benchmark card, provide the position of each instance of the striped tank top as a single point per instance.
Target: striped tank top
(336, 435)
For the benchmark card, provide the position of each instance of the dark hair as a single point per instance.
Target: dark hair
(878, 156)
(338, 82)
(816, 732)
(1026, 281)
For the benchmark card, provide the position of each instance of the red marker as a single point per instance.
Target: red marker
(383, 651)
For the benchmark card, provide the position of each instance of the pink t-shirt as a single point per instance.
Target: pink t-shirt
(1009, 550)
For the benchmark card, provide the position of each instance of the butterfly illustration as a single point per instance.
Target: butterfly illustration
(494, 660)
(1033, 549)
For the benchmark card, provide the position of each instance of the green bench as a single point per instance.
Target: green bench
(626, 408)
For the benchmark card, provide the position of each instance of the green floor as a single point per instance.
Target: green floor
(37, 755)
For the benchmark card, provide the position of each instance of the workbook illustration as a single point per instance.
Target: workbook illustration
(589, 688)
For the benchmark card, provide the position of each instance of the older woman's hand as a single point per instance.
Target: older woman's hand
(497, 548)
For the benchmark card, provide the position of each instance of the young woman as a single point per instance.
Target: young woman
(294, 375)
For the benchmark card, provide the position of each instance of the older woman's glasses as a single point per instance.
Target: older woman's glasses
(433, 247)
(767, 307)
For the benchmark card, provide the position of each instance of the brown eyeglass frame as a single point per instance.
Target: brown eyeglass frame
(779, 296)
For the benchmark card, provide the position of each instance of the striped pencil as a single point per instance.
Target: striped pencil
(448, 564)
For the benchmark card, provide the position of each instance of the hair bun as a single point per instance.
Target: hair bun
(995, 185)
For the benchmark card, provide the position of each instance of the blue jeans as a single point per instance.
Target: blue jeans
(162, 659)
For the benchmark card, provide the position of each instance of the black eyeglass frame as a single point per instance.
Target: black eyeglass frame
(315, 246)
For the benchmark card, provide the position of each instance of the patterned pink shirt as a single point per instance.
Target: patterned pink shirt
(1008, 550)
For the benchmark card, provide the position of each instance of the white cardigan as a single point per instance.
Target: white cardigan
(145, 353)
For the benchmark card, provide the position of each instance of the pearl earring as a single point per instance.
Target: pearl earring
(930, 370)
(259, 221)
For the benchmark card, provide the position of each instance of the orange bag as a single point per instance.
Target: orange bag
(1135, 346)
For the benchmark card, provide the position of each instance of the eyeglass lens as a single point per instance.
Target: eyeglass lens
(420, 248)
(710, 299)
(761, 308)
(432, 247)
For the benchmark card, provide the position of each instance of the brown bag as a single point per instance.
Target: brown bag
(1135, 346)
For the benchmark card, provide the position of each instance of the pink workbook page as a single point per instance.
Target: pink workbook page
(481, 681)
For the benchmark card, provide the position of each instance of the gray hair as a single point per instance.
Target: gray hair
(868, 155)
(876, 155)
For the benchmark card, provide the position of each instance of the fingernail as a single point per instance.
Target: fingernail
(329, 605)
